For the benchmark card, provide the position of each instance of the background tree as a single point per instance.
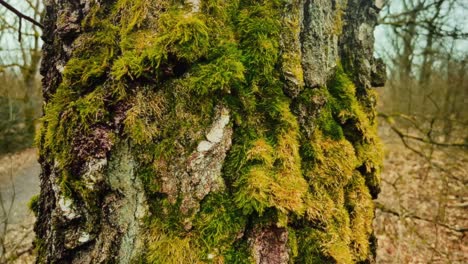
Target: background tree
(198, 131)
(423, 201)
(20, 100)
(20, 107)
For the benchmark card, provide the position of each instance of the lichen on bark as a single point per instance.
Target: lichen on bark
(208, 132)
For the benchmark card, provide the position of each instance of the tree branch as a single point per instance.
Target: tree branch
(20, 15)
(428, 139)
(387, 210)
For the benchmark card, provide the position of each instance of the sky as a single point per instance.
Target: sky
(9, 44)
(457, 17)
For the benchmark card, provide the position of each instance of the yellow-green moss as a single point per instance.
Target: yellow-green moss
(221, 74)
(68, 116)
(274, 179)
(361, 207)
(218, 224)
(164, 247)
(343, 143)
(141, 122)
(33, 204)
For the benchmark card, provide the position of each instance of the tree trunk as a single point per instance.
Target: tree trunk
(208, 131)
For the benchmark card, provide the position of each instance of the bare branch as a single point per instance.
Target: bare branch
(428, 139)
(20, 15)
(387, 210)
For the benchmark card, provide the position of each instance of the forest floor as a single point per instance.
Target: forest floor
(422, 215)
(19, 181)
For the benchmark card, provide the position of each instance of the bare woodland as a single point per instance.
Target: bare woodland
(421, 212)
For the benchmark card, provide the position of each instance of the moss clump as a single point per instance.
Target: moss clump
(259, 27)
(33, 204)
(221, 74)
(70, 116)
(214, 236)
(183, 34)
(272, 174)
(339, 200)
(218, 225)
(141, 121)
(130, 65)
(165, 247)
(267, 172)
(357, 115)
(361, 210)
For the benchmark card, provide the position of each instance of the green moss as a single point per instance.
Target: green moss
(51, 120)
(268, 165)
(141, 122)
(261, 151)
(360, 206)
(330, 244)
(213, 237)
(335, 162)
(274, 179)
(89, 108)
(338, 14)
(345, 105)
(310, 247)
(218, 224)
(164, 247)
(329, 126)
(130, 64)
(343, 145)
(69, 116)
(293, 243)
(39, 247)
(359, 118)
(254, 193)
(33, 204)
(134, 13)
(239, 253)
(259, 27)
(222, 74)
(180, 33)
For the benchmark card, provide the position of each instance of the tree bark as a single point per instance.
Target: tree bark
(208, 132)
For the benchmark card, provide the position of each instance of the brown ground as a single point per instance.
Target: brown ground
(423, 206)
(423, 218)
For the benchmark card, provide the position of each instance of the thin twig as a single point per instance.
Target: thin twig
(387, 210)
(20, 15)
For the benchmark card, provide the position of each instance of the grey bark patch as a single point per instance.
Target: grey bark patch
(76, 226)
(357, 43)
(131, 206)
(195, 176)
(290, 44)
(319, 41)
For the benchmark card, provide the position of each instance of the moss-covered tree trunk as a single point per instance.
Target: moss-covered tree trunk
(208, 131)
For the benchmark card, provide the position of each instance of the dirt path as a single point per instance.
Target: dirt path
(19, 181)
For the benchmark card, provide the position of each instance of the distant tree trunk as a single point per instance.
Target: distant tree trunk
(208, 131)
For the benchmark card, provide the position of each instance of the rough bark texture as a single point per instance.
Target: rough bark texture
(208, 132)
